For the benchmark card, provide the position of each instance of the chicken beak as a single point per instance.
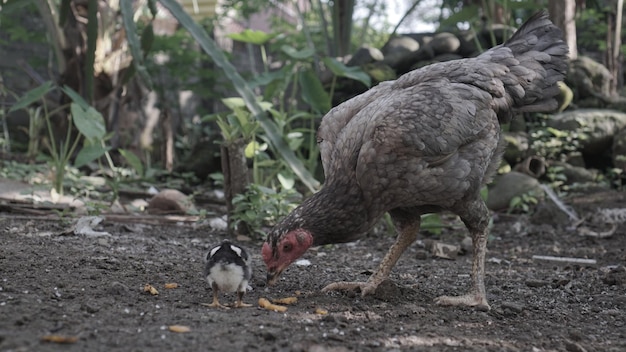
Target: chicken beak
(272, 277)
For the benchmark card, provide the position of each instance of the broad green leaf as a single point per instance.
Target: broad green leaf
(431, 223)
(233, 102)
(89, 153)
(126, 8)
(153, 7)
(297, 54)
(266, 78)
(89, 122)
(32, 96)
(252, 37)
(265, 105)
(295, 140)
(237, 102)
(76, 98)
(266, 190)
(467, 14)
(147, 38)
(313, 92)
(341, 70)
(251, 149)
(132, 160)
(285, 181)
(243, 117)
(271, 129)
(556, 132)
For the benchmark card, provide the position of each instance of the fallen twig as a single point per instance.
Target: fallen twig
(585, 231)
(564, 259)
(571, 213)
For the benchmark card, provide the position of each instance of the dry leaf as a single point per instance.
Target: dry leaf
(59, 338)
(286, 300)
(179, 328)
(266, 304)
(149, 288)
(321, 311)
(170, 285)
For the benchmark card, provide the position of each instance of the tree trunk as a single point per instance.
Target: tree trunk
(614, 44)
(342, 25)
(562, 13)
(236, 180)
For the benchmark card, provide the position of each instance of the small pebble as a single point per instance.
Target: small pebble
(421, 255)
(572, 346)
(513, 307)
(536, 283)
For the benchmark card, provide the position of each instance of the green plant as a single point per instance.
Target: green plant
(244, 90)
(556, 176)
(90, 130)
(261, 207)
(617, 176)
(555, 144)
(523, 203)
(296, 77)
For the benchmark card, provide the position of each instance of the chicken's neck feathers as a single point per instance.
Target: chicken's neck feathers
(335, 214)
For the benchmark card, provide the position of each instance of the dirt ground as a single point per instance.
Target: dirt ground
(91, 287)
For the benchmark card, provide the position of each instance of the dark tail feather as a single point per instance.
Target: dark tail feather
(542, 54)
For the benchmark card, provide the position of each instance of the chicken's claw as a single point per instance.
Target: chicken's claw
(471, 300)
(366, 288)
(214, 305)
(241, 305)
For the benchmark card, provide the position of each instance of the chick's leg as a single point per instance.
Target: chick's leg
(239, 303)
(408, 226)
(476, 218)
(216, 303)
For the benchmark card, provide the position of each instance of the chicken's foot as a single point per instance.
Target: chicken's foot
(477, 224)
(216, 303)
(239, 303)
(408, 227)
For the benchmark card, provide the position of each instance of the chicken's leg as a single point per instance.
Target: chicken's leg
(408, 227)
(239, 303)
(476, 218)
(216, 303)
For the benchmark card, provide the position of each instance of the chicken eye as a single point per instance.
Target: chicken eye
(287, 247)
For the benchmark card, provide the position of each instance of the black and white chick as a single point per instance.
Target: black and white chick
(228, 269)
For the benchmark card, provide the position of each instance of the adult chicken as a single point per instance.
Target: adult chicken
(426, 142)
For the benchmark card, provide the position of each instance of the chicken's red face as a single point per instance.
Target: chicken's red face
(279, 253)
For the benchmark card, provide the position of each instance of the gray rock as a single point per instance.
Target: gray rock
(506, 187)
(576, 174)
(588, 78)
(599, 126)
(548, 213)
(447, 57)
(397, 48)
(445, 43)
(365, 55)
(572, 346)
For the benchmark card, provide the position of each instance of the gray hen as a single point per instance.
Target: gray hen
(426, 142)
